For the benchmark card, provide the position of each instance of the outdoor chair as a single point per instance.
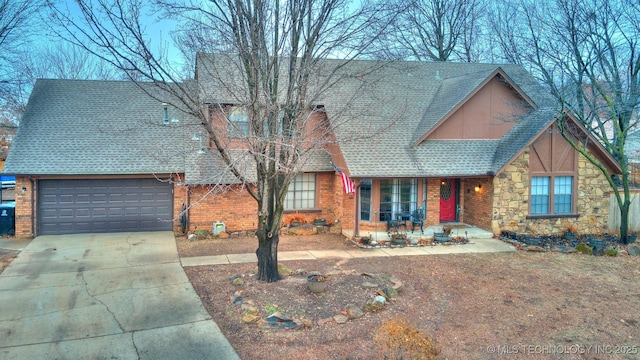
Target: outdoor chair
(417, 219)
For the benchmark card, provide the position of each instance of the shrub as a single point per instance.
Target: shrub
(584, 248)
(399, 340)
(201, 234)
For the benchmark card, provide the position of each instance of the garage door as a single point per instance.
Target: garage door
(91, 206)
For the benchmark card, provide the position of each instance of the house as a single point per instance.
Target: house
(472, 143)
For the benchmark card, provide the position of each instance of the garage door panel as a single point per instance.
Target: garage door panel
(82, 206)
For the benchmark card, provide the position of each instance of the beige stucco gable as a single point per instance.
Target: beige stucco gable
(488, 114)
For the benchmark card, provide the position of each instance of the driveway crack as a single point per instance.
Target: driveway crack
(80, 274)
(133, 341)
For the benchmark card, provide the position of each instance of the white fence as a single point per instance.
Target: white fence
(634, 213)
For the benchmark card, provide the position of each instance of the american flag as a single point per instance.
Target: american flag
(347, 185)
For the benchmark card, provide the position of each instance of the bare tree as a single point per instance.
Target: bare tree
(272, 70)
(66, 61)
(587, 53)
(435, 30)
(18, 22)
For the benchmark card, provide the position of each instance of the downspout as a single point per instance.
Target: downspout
(356, 231)
(33, 209)
(188, 210)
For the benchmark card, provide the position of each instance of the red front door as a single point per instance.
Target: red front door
(448, 200)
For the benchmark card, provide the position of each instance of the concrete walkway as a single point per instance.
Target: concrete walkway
(104, 296)
(475, 246)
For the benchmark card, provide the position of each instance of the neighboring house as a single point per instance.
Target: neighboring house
(473, 143)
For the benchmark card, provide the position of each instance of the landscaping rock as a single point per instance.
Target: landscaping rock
(303, 323)
(247, 304)
(223, 235)
(237, 298)
(389, 292)
(633, 250)
(375, 304)
(278, 321)
(237, 282)
(354, 312)
(231, 278)
(251, 315)
(623, 252)
(283, 270)
(397, 284)
(340, 319)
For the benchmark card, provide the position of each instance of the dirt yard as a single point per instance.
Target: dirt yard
(6, 256)
(520, 305)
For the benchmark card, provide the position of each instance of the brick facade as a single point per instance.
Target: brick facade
(238, 210)
(476, 205)
(25, 215)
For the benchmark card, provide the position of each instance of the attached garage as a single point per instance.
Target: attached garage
(104, 205)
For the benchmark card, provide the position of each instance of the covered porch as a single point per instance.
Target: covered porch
(458, 229)
(384, 204)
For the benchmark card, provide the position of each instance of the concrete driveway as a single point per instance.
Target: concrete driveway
(104, 296)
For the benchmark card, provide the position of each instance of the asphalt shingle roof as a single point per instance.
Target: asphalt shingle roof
(97, 127)
(405, 100)
(378, 109)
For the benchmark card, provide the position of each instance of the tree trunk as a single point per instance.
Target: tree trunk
(267, 256)
(624, 220)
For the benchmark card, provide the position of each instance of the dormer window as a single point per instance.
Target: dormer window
(238, 122)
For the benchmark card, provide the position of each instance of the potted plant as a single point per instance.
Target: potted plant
(319, 222)
(295, 220)
(441, 237)
(317, 283)
(398, 239)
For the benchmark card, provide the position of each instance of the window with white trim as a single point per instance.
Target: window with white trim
(301, 193)
(397, 196)
(551, 195)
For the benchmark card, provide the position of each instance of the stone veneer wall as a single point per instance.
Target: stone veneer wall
(511, 201)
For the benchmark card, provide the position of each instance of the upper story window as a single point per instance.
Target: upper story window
(238, 122)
